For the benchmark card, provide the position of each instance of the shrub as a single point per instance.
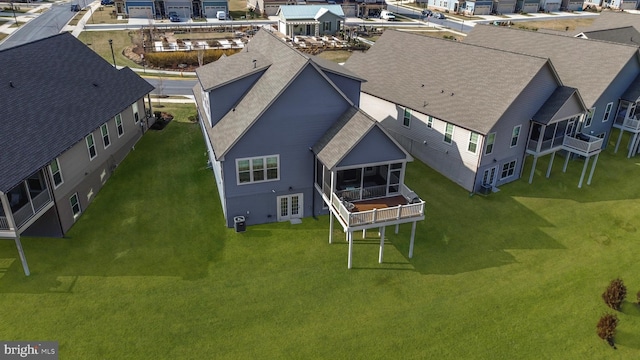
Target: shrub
(171, 59)
(607, 328)
(615, 294)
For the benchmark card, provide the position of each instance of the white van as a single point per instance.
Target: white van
(221, 15)
(387, 15)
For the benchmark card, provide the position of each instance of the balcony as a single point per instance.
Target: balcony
(362, 214)
(28, 211)
(627, 123)
(26, 201)
(582, 144)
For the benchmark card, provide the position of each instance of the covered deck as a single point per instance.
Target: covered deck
(627, 120)
(25, 203)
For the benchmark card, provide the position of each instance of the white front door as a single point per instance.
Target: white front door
(289, 207)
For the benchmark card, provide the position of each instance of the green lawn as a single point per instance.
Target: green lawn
(150, 272)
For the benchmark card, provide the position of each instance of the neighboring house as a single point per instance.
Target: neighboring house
(442, 5)
(621, 4)
(369, 8)
(612, 20)
(269, 7)
(154, 9)
(465, 110)
(316, 20)
(601, 71)
(572, 5)
(65, 127)
(504, 6)
(528, 6)
(286, 140)
(550, 5)
(478, 7)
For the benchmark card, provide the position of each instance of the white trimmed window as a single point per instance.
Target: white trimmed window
(607, 112)
(258, 169)
(119, 125)
(75, 206)
(406, 118)
(91, 146)
(326, 26)
(589, 117)
(514, 135)
(104, 130)
(508, 169)
(56, 173)
(448, 133)
(491, 139)
(136, 116)
(430, 122)
(473, 142)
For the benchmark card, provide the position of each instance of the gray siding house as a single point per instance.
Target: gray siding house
(458, 115)
(286, 140)
(63, 137)
(601, 71)
(315, 20)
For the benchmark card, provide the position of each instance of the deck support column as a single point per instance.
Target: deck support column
(381, 246)
(413, 235)
(23, 258)
(584, 170)
(364, 233)
(553, 155)
(632, 145)
(533, 168)
(618, 142)
(330, 227)
(349, 260)
(566, 162)
(397, 228)
(593, 168)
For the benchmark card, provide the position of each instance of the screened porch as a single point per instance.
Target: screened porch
(25, 201)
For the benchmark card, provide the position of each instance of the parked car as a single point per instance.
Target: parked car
(221, 15)
(426, 12)
(173, 17)
(438, 15)
(75, 7)
(106, 2)
(387, 15)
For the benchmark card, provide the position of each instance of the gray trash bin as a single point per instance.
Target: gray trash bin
(239, 223)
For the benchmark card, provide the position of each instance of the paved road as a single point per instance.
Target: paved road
(47, 24)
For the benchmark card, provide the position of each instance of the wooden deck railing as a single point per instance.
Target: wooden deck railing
(379, 216)
(583, 147)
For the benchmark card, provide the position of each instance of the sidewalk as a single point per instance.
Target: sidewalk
(6, 28)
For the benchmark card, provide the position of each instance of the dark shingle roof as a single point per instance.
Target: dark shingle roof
(573, 58)
(469, 86)
(282, 65)
(554, 104)
(50, 106)
(623, 35)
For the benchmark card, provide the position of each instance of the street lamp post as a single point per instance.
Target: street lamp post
(13, 8)
(112, 53)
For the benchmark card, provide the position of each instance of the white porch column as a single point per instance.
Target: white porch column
(566, 162)
(632, 145)
(381, 255)
(397, 228)
(619, 140)
(533, 168)
(593, 168)
(12, 226)
(364, 233)
(350, 237)
(553, 155)
(413, 235)
(584, 170)
(330, 227)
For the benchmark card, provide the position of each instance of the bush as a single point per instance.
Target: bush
(615, 294)
(171, 59)
(607, 328)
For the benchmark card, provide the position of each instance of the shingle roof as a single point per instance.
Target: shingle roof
(285, 65)
(554, 104)
(623, 35)
(572, 58)
(467, 85)
(298, 12)
(49, 107)
(612, 20)
(226, 69)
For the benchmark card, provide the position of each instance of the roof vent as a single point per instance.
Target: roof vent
(441, 91)
(11, 84)
(95, 84)
(254, 63)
